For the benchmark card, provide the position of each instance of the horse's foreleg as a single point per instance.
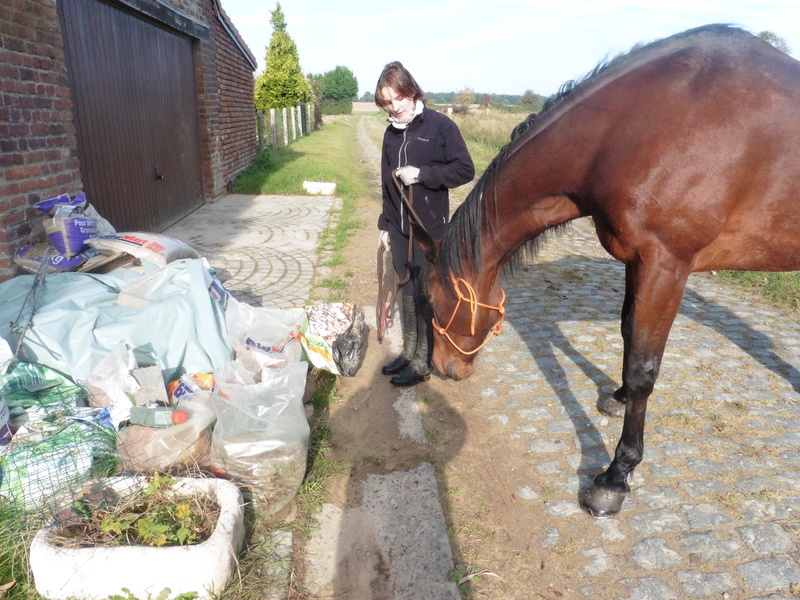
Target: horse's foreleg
(655, 291)
(614, 405)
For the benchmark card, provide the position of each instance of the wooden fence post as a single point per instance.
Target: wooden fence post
(300, 119)
(294, 128)
(273, 128)
(285, 127)
(260, 129)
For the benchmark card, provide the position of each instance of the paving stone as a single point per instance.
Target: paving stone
(709, 546)
(704, 516)
(768, 574)
(648, 589)
(535, 414)
(753, 485)
(610, 527)
(701, 487)
(653, 553)
(759, 510)
(600, 562)
(657, 521)
(589, 461)
(766, 538)
(526, 493)
(549, 467)
(562, 509)
(707, 468)
(546, 446)
(678, 448)
(703, 585)
(552, 538)
(658, 497)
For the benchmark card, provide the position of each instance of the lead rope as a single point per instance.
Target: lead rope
(409, 201)
(387, 293)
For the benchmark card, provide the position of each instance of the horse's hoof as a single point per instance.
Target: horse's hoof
(602, 503)
(611, 407)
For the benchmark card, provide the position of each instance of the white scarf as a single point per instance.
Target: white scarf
(417, 111)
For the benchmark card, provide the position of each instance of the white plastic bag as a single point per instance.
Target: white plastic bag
(261, 436)
(112, 384)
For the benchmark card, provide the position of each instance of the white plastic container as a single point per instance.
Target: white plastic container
(96, 573)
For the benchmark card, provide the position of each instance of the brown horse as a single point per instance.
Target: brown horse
(686, 155)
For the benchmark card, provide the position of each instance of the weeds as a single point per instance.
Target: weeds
(156, 516)
(432, 435)
(461, 576)
(334, 283)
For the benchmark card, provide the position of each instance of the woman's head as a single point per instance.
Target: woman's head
(396, 85)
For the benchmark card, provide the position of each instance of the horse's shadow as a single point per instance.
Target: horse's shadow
(601, 285)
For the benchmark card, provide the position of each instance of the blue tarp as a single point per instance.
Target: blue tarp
(78, 320)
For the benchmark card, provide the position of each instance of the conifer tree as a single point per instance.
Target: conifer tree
(282, 84)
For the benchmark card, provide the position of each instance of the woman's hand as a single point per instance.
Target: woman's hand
(383, 240)
(408, 175)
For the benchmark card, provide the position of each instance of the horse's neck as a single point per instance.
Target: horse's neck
(526, 206)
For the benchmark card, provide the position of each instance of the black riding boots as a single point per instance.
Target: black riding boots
(413, 364)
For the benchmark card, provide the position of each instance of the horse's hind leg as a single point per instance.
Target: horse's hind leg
(656, 287)
(614, 405)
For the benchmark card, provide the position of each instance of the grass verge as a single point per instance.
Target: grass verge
(326, 155)
(781, 290)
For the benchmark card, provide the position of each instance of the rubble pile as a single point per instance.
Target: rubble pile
(122, 353)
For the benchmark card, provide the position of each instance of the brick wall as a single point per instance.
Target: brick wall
(38, 147)
(237, 126)
(38, 151)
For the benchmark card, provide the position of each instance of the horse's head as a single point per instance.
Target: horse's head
(465, 312)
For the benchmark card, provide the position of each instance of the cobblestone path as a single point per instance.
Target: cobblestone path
(715, 505)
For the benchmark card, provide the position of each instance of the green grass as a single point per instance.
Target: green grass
(327, 155)
(486, 134)
(781, 290)
(321, 467)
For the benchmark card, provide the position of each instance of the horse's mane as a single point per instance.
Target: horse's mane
(461, 243)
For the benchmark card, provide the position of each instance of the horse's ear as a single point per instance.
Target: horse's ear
(424, 239)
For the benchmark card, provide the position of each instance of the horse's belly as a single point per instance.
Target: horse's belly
(751, 252)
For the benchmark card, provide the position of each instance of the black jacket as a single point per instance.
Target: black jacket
(433, 143)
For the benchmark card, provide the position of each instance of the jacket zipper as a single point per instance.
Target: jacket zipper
(403, 150)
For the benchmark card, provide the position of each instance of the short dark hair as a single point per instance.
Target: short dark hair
(397, 77)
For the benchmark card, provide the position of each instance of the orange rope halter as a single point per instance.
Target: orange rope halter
(472, 299)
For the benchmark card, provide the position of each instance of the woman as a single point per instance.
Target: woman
(423, 149)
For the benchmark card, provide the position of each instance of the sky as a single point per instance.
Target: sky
(490, 46)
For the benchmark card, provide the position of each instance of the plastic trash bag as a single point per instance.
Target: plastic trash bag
(335, 337)
(350, 347)
(264, 339)
(261, 436)
(151, 449)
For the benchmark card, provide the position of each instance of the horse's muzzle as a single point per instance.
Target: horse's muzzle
(458, 370)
